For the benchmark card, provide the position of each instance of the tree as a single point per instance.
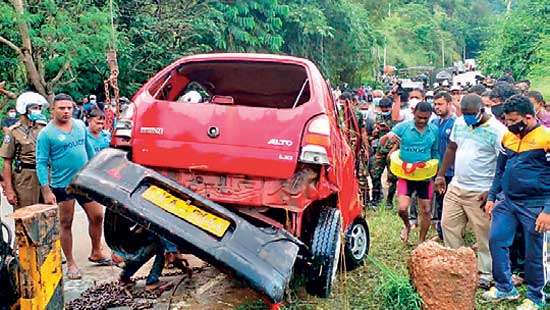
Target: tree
(52, 41)
(518, 40)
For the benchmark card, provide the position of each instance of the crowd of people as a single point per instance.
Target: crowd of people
(459, 157)
(41, 158)
(477, 156)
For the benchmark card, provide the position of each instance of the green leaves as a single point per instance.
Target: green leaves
(519, 41)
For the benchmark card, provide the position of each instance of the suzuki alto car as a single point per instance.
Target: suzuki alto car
(260, 135)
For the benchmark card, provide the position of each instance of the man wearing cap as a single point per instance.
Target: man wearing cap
(456, 91)
(21, 185)
(430, 97)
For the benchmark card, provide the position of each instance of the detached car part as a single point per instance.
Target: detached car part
(263, 257)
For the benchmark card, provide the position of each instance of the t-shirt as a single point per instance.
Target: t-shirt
(476, 154)
(64, 152)
(100, 142)
(417, 146)
(445, 127)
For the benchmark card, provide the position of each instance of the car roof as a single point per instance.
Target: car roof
(245, 57)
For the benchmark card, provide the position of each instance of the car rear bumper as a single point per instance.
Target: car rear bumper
(263, 257)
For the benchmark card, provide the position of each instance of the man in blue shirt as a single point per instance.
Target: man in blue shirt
(98, 138)
(418, 141)
(62, 149)
(443, 103)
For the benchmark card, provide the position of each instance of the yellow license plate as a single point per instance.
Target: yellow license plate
(200, 218)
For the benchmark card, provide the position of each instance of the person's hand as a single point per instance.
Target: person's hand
(49, 197)
(543, 222)
(440, 185)
(394, 138)
(489, 206)
(394, 89)
(483, 197)
(11, 196)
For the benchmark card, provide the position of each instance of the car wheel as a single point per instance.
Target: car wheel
(326, 248)
(357, 243)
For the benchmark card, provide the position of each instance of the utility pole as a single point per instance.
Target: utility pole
(443, 53)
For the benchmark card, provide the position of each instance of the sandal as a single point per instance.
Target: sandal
(74, 275)
(104, 261)
(159, 287)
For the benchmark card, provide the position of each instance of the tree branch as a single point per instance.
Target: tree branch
(59, 75)
(5, 92)
(69, 81)
(10, 44)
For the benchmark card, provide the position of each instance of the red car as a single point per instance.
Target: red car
(260, 135)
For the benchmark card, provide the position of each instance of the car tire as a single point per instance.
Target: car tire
(326, 247)
(357, 243)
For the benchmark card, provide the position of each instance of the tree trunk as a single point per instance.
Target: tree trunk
(33, 75)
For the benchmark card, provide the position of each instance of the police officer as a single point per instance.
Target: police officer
(383, 125)
(18, 150)
(361, 111)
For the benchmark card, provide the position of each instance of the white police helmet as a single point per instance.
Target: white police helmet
(28, 98)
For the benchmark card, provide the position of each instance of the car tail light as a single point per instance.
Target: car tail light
(316, 141)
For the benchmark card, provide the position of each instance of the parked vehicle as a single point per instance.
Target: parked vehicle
(260, 136)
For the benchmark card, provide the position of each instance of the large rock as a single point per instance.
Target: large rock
(444, 278)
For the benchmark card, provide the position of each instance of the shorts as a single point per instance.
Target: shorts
(423, 189)
(61, 195)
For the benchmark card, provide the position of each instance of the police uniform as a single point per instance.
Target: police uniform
(19, 145)
(383, 125)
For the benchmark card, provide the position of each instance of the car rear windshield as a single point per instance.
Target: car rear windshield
(247, 83)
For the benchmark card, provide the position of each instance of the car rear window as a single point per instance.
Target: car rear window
(247, 83)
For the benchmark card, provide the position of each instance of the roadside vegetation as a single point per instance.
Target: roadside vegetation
(383, 282)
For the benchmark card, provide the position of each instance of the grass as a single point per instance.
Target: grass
(382, 274)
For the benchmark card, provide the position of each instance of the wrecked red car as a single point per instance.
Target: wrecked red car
(252, 136)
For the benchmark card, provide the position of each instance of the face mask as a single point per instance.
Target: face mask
(376, 101)
(430, 101)
(385, 113)
(11, 114)
(413, 102)
(518, 127)
(472, 120)
(36, 115)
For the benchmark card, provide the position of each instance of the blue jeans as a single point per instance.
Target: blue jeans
(506, 218)
(156, 247)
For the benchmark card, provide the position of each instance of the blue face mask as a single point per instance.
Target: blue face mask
(385, 113)
(36, 117)
(376, 101)
(472, 120)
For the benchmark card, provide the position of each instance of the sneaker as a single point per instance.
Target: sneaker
(528, 304)
(495, 295)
